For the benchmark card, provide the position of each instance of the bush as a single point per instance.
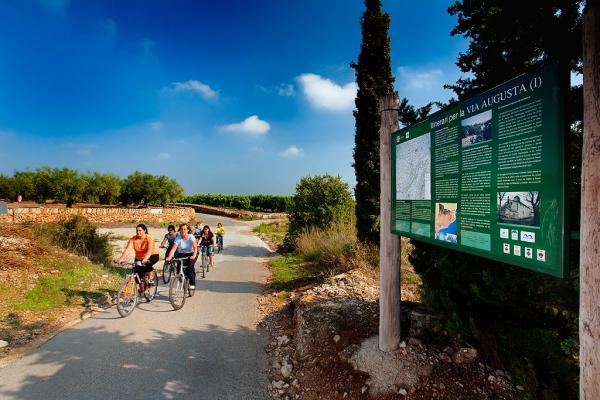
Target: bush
(319, 201)
(78, 235)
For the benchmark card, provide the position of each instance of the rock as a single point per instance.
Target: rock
(414, 341)
(448, 350)
(295, 383)
(336, 338)
(520, 388)
(465, 355)
(363, 389)
(425, 371)
(278, 384)
(282, 340)
(402, 392)
(3, 343)
(387, 371)
(286, 369)
(402, 344)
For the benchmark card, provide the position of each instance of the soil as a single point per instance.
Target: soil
(23, 254)
(325, 373)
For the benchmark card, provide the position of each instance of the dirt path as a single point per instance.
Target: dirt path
(210, 349)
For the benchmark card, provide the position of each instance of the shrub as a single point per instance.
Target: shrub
(318, 202)
(79, 236)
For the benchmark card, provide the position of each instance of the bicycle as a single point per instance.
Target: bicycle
(205, 264)
(132, 287)
(219, 243)
(179, 288)
(167, 269)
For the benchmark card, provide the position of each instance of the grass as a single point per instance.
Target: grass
(289, 272)
(275, 231)
(74, 283)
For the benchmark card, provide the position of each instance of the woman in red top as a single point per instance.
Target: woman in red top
(145, 250)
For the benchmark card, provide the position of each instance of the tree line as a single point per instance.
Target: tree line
(254, 202)
(70, 186)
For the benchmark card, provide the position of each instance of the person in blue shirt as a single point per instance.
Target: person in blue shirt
(185, 246)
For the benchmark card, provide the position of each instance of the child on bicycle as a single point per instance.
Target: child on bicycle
(169, 239)
(220, 231)
(185, 246)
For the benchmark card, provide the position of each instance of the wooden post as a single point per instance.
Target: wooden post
(389, 244)
(589, 259)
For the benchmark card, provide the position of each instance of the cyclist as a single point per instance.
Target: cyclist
(207, 240)
(169, 239)
(185, 246)
(220, 231)
(145, 251)
(198, 231)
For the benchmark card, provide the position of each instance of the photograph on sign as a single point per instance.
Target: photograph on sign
(487, 175)
(446, 225)
(477, 128)
(520, 208)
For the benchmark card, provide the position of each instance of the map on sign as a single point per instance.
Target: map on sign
(413, 169)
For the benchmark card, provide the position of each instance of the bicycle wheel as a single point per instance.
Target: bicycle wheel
(202, 266)
(166, 272)
(127, 297)
(177, 292)
(150, 292)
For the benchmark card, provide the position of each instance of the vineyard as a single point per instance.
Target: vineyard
(255, 202)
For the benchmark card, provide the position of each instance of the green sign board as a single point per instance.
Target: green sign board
(486, 176)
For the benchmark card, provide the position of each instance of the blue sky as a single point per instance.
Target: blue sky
(226, 97)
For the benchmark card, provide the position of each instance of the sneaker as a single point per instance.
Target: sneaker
(192, 287)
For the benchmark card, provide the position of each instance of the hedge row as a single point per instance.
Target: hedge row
(255, 202)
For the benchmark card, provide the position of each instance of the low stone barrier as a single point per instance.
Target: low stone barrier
(233, 213)
(98, 214)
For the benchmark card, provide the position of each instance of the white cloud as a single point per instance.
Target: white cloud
(109, 26)
(155, 125)
(424, 84)
(163, 156)
(286, 90)
(252, 126)
(325, 94)
(194, 86)
(83, 150)
(420, 79)
(291, 152)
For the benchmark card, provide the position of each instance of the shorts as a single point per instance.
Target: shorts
(207, 250)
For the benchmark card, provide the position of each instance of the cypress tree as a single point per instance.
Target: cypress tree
(374, 78)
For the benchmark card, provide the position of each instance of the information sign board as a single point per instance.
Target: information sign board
(487, 176)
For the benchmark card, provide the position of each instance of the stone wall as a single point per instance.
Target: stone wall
(98, 214)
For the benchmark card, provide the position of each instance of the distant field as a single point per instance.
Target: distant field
(255, 202)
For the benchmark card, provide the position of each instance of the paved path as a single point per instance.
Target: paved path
(210, 349)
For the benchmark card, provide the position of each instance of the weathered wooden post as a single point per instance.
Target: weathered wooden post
(389, 244)
(589, 260)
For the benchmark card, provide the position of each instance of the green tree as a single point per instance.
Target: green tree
(68, 185)
(7, 188)
(103, 188)
(319, 201)
(24, 184)
(374, 78)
